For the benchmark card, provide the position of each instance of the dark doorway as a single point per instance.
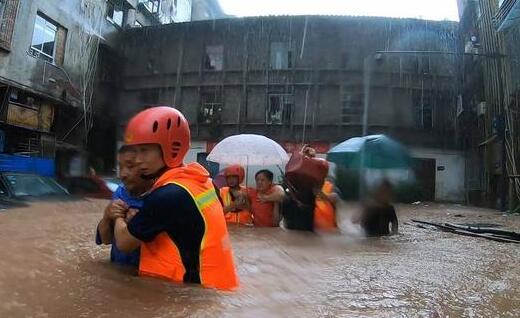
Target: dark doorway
(425, 170)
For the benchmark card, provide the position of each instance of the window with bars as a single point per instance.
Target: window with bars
(281, 56)
(352, 100)
(424, 65)
(279, 108)
(115, 13)
(152, 5)
(423, 108)
(214, 57)
(210, 106)
(149, 97)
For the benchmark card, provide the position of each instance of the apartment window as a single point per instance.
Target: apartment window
(352, 100)
(281, 56)
(423, 108)
(424, 66)
(413, 64)
(115, 13)
(44, 39)
(149, 96)
(211, 106)
(152, 5)
(214, 57)
(279, 109)
(344, 60)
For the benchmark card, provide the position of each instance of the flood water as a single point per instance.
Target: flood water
(51, 267)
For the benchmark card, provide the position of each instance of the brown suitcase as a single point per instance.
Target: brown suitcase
(305, 173)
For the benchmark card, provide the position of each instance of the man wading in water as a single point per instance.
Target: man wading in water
(378, 217)
(126, 202)
(181, 229)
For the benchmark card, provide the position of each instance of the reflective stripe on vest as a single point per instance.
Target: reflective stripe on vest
(161, 257)
(242, 216)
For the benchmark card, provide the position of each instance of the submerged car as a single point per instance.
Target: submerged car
(16, 187)
(90, 186)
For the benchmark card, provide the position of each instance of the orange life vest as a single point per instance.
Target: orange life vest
(263, 212)
(324, 210)
(242, 216)
(161, 257)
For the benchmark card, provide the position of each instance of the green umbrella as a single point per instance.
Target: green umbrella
(375, 151)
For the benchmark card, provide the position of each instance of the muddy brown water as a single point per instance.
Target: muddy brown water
(51, 267)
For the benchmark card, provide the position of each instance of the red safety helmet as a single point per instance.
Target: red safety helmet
(165, 126)
(235, 170)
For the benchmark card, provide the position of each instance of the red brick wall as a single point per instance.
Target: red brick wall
(7, 25)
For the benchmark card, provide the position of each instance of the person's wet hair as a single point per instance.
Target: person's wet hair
(268, 174)
(125, 149)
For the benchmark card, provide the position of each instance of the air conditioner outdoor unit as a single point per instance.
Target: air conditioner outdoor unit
(481, 109)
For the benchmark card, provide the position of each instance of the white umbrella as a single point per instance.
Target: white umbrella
(248, 150)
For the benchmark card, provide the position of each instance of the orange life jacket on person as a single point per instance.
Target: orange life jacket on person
(324, 210)
(238, 217)
(263, 212)
(161, 257)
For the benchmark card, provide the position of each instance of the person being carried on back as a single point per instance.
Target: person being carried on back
(126, 202)
(181, 229)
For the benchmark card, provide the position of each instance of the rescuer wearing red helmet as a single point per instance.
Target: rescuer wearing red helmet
(181, 229)
(234, 196)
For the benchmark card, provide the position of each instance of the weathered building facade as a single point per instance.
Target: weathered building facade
(490, 72)
(305, 79)
(53, 56)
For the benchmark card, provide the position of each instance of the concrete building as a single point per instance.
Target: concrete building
(508, 17)
(490, 114)
(301, 79)
(53, 56)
